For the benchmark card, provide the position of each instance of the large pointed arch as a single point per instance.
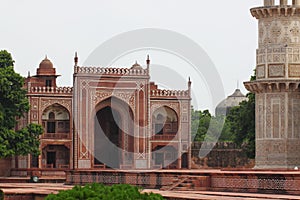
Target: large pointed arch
(113, 133)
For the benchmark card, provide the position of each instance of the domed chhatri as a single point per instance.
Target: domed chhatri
(233, 100)
(46, 64)
(136, 66)
(46, 68)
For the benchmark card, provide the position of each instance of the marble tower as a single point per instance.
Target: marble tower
(277, 84)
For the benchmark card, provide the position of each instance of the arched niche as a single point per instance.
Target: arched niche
(165, 121)
(56, 121)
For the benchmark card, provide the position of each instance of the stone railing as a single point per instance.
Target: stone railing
(110, 71)
(52, 90)
(56, 136)
(165, 137)
(169, 93)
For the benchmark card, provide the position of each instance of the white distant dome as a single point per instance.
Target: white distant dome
(231, 101)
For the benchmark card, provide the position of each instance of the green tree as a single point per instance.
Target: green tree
(13, 105)
(209, 128)
(241, 120)
(6, 59)
(97, 191)
(226, 134)
(200, 124)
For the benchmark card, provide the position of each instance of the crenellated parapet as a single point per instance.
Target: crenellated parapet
(50, 90)
(170, 93)
(111, 71)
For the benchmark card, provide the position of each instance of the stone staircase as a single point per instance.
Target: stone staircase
(185, 183)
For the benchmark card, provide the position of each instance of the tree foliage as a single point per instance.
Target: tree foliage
(97, 191)
(241, 120)
(200, 124)
(13, 105)
(209, 128)
(6, 59)
(239, 126)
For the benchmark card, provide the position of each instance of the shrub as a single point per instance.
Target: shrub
(97, 191)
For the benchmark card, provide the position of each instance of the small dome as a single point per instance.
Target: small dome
(46, 64)
(46, 68)
(231, 101)
(136, 66)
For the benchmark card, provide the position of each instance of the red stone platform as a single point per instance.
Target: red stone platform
(241, 181)
(37, 191)
(173, 184)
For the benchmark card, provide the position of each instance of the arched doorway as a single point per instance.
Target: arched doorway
(56, 156)
(165, 156)
(113, 134)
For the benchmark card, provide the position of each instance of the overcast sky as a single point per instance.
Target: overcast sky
(227, 32)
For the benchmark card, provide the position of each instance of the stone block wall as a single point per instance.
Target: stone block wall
(5, 166)
(222, 155)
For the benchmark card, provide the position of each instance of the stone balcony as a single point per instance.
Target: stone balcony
(56, 136)
(275, 10)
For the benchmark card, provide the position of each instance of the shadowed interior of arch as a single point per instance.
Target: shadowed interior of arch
(113, 134)
(107, 137)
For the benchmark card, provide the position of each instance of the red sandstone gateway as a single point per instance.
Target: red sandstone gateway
(121, 120)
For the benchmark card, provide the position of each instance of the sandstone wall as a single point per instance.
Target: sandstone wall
(222, 155)
(5, 166)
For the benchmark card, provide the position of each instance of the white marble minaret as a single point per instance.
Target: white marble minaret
(277, 84)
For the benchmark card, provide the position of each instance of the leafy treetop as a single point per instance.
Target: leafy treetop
(6, 59)
(13, 105)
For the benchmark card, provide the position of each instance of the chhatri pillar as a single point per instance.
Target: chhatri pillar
(277, 85)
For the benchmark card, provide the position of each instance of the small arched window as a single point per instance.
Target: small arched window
(51, 125)
(51, 116)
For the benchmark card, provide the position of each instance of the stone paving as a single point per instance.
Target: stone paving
(48, 188)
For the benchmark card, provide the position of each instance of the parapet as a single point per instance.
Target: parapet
(111, 71)
(50, 90)
(277, 8)
(281, 3)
